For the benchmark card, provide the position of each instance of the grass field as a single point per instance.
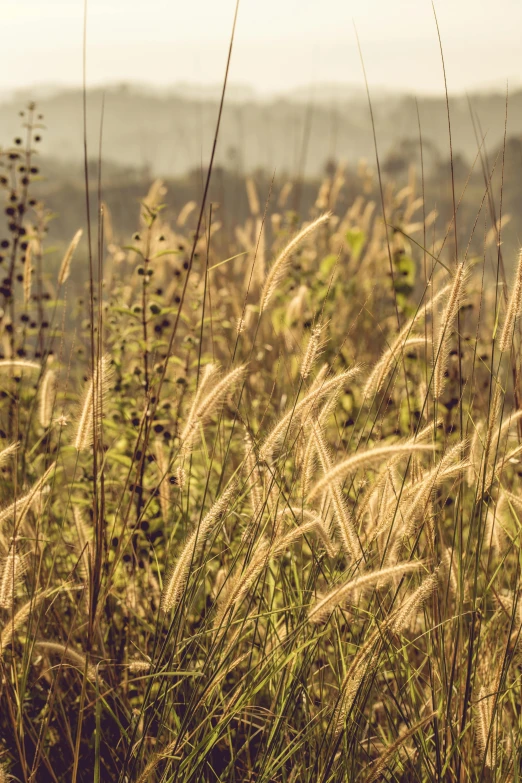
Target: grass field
(260, 499)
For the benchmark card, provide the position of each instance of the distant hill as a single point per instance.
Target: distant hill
(168, 133)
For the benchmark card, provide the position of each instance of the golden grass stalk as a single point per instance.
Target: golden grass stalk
(447, 319)
(350, 686)
(379, 765)
(47, 398)
(296, 306)
(449, 566)
(493, 417)
(65, 267)
(280, 266)
(312, 524)
(353, 463)
(156, 759)
(28, 273)
(345, 524)
(473, 471)
(485, 723)
(513, 309)
(164, 488)
(176, 582)
(67, 653)
(260, 251)
(322, 609)
(95, 397)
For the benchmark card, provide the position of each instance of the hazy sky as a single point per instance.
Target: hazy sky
(280, 44)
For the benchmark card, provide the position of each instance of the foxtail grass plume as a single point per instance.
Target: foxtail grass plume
(204, 406)
(448, 316)
(253, 200)
(68, 654)
(65, 268)
(322, 609)
(392, 354)
(280, 266)
(20, 618)
(382, 763)
(12, 568)
(47, 398)
(8, 452)
(21, 506)
(513, 309)
(176, 582)
(185, 212)
(237, 588)
(302, 410)
(487, 733)
(354, 678)
(85, 543)
(253, 476)
(313, 350)
(345, 523)
(95, 396)
(407, 612)
(375, 454)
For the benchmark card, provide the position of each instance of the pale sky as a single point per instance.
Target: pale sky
(280, 44)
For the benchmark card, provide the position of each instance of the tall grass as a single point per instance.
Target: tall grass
(284, 552)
